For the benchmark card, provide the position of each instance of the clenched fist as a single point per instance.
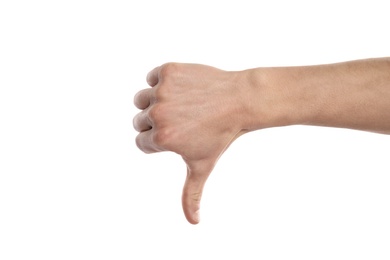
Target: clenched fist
(195, 111)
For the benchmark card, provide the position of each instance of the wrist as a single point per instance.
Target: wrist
(279, 96)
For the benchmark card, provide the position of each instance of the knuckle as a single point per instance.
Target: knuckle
(162, 137)
(196, 197)
(169, 69)
(154, 113)
(160, 93)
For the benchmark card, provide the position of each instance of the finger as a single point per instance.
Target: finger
(141, 121)
(153, 76)
(144, 141)
(143, 98)
(192, 192)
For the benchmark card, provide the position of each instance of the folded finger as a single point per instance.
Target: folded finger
(143, 98)
(153, 76)
(141, 121)
(144, 141)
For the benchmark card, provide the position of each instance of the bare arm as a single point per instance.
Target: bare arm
(353, 95)
(197, 111)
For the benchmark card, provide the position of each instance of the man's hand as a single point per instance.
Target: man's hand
(194, 111)
(198, 111)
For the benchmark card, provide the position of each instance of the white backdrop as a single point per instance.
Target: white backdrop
(73, 185)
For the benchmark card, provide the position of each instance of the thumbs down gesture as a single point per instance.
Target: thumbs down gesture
(195, 111)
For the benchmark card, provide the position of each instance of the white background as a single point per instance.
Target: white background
(73, 185)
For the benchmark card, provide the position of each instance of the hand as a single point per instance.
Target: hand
(198, 111)
(195, 111)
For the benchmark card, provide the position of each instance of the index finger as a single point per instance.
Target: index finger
(153, 76)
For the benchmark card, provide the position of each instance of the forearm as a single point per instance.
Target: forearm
(197, 111)
(353, 95)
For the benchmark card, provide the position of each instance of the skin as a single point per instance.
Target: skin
(197, 111)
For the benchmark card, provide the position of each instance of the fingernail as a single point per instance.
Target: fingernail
(196, 216)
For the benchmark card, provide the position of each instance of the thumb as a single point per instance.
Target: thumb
(192, 192)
